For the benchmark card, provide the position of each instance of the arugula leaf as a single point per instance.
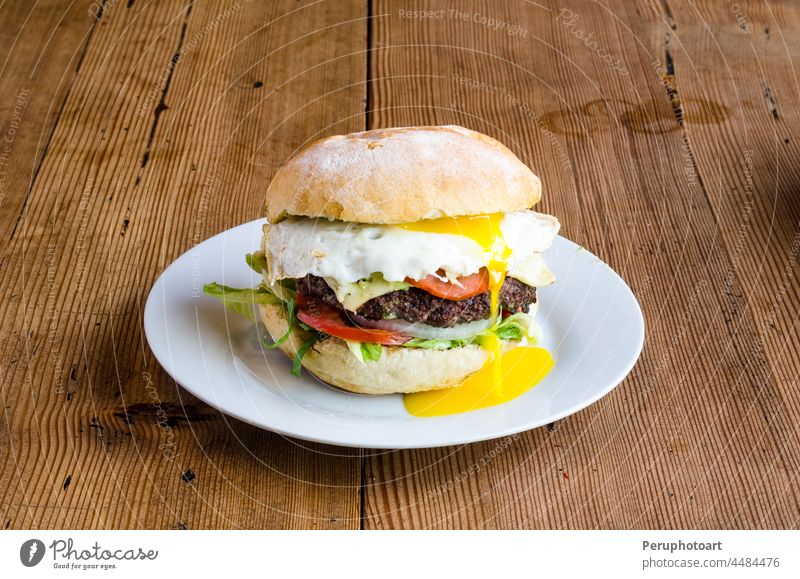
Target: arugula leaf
(297, 363)
(371, 352)
(291, 320)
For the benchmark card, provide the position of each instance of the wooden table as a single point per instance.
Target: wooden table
(665, 134)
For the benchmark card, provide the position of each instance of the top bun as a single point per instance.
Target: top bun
(402, 175)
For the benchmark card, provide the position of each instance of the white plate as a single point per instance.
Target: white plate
(592, 325)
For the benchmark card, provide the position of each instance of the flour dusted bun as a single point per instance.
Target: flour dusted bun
(399, 370)
(401, 175)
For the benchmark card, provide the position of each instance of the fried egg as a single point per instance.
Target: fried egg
(348, 252)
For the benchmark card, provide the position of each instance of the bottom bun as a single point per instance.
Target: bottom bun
(399, 370)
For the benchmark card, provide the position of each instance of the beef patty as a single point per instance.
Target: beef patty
(416, 305)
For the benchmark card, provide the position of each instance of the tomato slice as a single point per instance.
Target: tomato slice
(328, 319)
(474, 284)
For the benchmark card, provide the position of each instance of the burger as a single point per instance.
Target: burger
(400, 260)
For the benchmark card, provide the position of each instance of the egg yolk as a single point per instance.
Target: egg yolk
(522, 369)
(491, 385)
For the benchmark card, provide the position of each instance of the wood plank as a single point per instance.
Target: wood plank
(751, 178)
(154, 152)
(45, 44)
(686, 439)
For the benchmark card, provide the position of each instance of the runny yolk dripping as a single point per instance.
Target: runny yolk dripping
(505, 376)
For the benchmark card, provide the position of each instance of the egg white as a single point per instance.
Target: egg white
(348, 252)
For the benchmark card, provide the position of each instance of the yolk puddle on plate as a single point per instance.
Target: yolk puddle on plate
(522, 369)
(524, 366)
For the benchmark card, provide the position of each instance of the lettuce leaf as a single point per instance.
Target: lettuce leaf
(355, 349)
(241, 301)
(371, 352)
(517, 327)
(257, 261)
(284, 290)
(242, 309)
(257, 295)
(364, 351)
(509, 329)
(429, 344)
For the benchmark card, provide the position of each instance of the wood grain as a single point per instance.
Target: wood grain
(690, 437)
(43, 47)
(177, 114)
(751, 177)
